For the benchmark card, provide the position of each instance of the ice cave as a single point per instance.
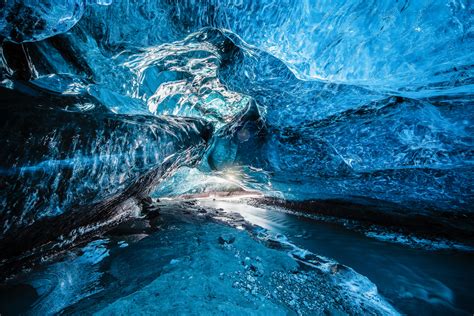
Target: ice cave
(237, 157)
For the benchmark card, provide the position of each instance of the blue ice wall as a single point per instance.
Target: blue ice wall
(309, 99)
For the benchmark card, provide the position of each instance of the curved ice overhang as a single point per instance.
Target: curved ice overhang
(355, 110)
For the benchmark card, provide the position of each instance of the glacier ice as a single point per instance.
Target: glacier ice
(71, 162)
(327, 100)
(29, 20)
(23, 21)
(358, 112)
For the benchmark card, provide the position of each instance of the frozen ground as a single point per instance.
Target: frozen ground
(182, 258)
(418, 276)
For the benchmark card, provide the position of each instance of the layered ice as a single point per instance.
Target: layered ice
(71, 162)
(106, 102)
(328, 100)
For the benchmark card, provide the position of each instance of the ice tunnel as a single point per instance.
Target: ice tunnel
(123, 120)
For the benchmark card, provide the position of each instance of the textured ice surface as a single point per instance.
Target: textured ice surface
(186, 260)
(336, 99)
(23, 21)
(403, 45)
(102, 101)
(30, 20)
(63, 154)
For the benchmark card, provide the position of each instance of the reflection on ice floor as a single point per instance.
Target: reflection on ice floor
(415, 281)
(194, 257)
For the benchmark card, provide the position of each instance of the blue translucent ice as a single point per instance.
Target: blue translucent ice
(349, 98)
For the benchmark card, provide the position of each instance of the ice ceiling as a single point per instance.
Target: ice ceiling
(104, 101)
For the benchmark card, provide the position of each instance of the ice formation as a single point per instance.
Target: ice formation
(300, 100)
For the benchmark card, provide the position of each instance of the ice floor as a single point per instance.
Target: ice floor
(227, 257)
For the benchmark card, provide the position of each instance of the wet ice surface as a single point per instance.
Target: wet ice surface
(342, 100)
(183, 258)
(416, 281)
(225, 256)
